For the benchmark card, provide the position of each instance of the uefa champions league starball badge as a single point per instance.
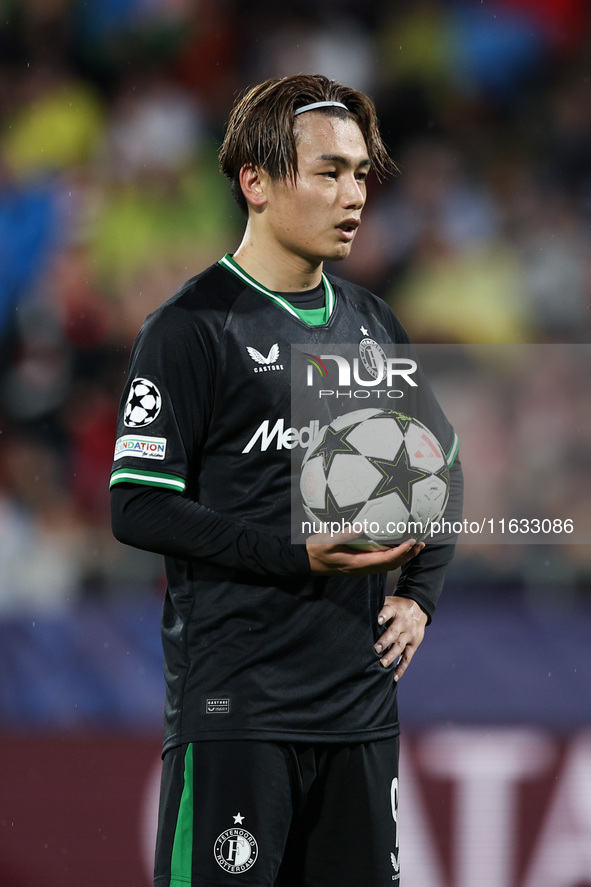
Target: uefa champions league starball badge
(143, 405)
(236, 850)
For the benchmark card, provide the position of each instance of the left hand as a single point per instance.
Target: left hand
(405, 624)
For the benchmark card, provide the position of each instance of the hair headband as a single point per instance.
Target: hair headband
(315, 105)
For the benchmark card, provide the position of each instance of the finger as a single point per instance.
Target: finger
(381, 554)
(392, 652)
(392, 606)
(338, 537)
(412, 551)
(399, 555)
(386, 613)
(342, 558)
(405, 661)
(388, 638)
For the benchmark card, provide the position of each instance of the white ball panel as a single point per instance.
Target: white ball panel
(314, 443)
(429, 498)
(313, 483)
(388, 509)
(352, 479)
(310, 514)
(380, 438)
(424, 450)
(351, 418)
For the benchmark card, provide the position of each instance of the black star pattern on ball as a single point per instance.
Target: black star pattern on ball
(397, 477)
(443, 474)
(332, 511)
(332, 444)
(401, 419)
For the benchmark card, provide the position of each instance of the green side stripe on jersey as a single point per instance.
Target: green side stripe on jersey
(453, 451)
(181, 862)
(148, 478)
(308, 316)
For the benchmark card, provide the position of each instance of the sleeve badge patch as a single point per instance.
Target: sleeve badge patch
(143, 405)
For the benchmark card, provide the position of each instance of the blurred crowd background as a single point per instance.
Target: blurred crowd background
(111, 115)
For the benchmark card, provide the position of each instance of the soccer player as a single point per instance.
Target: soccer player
(281, 660)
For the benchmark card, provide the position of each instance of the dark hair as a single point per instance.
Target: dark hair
(260, 130)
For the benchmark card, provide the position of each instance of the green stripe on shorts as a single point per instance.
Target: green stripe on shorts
(181, 863)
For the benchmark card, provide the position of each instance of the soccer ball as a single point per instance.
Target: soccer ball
(143, 404)
(380, 472)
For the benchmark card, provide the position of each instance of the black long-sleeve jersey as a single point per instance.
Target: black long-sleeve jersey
(254, 645)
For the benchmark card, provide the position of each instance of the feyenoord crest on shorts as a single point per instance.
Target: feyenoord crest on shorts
(236, 850)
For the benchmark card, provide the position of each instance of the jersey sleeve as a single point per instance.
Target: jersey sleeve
(161, 521)
(166, 404)
(163, 419)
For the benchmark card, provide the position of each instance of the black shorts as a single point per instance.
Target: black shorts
(269, 814)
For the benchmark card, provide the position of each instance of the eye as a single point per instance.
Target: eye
(331, 174)
(361, 176)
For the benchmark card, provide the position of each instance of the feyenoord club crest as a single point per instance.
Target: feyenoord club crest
(372, 357)
(236, 850)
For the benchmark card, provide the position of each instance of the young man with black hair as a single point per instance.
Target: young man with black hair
(281, 660)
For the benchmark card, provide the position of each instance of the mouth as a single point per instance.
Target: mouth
(347, 228)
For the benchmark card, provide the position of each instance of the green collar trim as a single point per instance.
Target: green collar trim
(329, 296)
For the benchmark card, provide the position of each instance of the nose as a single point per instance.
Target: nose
(354, 193)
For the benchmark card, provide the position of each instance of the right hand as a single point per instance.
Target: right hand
(336, 556)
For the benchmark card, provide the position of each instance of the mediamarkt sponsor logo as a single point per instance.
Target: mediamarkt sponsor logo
(282, 438)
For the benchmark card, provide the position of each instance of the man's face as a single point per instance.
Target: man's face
(316, 219)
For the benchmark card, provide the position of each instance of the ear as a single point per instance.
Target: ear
(252, 182)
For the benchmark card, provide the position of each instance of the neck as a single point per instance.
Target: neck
(275, 267)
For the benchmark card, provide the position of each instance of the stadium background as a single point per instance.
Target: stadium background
(111, 112)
